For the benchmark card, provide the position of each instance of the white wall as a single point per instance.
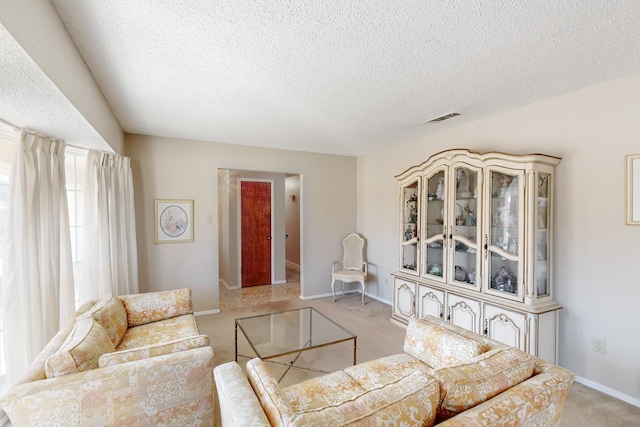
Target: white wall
(292, 223)
(596, 254)
(172, 168)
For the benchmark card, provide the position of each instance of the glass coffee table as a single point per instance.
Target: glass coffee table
(290, 332)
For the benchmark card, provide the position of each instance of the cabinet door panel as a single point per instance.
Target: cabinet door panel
(404, 299)
(504, 231)
(464, 312)
(430, 302)
(464, 229)
(435, 241)
(409, 227)
(506, 326)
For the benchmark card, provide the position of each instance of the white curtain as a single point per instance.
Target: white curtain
(110, 260)
(37, 286)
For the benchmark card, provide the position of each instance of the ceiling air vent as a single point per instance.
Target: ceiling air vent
(442, 118)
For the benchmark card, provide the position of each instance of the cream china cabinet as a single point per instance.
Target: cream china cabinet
(475, 246)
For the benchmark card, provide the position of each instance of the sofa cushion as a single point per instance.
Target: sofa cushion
(467, 385)
(168, 347)
(153, 306)
(406, 401)
(110, 313)
(438, 347)
(325, 390)
(337, 399)
(378, 372)
(86, 342)
(159, 332)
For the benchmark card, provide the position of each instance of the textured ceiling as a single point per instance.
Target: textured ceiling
(22, 82)
(344, 77)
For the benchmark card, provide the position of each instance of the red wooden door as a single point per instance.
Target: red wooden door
(255, 211)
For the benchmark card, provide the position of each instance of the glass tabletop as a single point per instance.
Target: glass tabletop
(277, 334)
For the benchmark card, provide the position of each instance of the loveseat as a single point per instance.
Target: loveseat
(121, 361)
(446, 375)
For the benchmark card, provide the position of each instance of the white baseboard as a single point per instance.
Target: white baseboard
(279, 282)
(226, 285)
(348, 291)
(292, 265)
(205, 312)
(607, 390)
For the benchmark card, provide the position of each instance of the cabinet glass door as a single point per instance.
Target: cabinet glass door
(410, 229)
(503, 241)
(435, 214)
(464, 228)
(542, 235)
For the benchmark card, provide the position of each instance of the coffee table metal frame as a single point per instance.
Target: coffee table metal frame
(344, 335)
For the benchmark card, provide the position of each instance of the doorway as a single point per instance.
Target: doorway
(286, 237)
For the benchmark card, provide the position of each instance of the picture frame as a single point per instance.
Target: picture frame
(173, 221)
(633, 189)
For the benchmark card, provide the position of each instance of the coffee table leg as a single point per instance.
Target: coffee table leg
(355, 348)
(236, 341)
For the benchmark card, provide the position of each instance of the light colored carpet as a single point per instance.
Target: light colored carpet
(378, 337)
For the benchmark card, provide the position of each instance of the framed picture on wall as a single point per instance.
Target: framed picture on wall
(173, 221)
(633, 189)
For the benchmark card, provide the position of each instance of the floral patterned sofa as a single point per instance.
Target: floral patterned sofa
(123, 360)
(446, 375)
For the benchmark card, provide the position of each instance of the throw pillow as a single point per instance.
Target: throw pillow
(438, 347)
(465, 386)
(84, 345)
(154, 306)
(111, 315)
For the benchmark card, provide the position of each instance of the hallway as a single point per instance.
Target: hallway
(255, 295)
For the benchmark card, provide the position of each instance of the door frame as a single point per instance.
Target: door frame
(239, 222)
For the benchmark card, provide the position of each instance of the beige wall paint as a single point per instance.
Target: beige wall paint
(174, 168)
(596, 254)
(292, 223)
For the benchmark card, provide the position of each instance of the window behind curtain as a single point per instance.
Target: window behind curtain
(6, 158)
(75, 160)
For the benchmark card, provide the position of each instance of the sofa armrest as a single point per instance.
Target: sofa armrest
(175, 386)
(154, 306)
(239, 405)
(536, 401)
(153, 350)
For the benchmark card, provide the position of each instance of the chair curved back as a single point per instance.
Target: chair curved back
(353, 247)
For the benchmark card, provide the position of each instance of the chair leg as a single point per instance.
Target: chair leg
(333, 289)
(362, 293)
